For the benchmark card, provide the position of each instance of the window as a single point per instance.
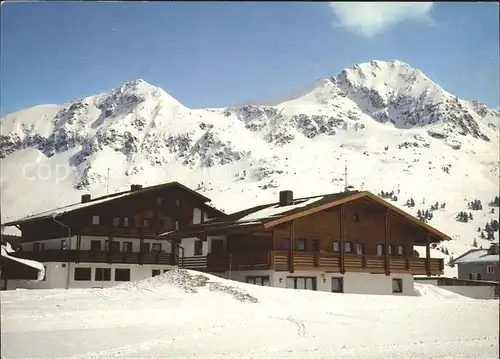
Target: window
(360, 249)
(156, 272)
(125, 222)
(145, 223)
(380, 249)
(116, 221)
(103, 274)
(95, 220)
(162, 223)
(478, 276)
(400, 250)
(176, 225)
(336, 246)
(63, 244)
(397, 285)
(165, 270)
(264, 281)
(286, 243)
(301, 244)
(301, 283)
(82, 274)
(338, 285)
(156, 247)
(122, 275)
(158, 201)
(145, 247)
(44, 274)
(348, 247)
(355, 217)
(177, 202)
(490, 269)
(95, 246)
(389, 247)
(198, 247)
(127, 246)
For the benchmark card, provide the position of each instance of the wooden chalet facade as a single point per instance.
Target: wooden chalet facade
(352, 241)
(110, 239)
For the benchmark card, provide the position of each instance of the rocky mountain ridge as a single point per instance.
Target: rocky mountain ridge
(395, 129)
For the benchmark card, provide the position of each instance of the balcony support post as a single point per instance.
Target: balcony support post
(428, 255)
(387, 264)
(342, 239)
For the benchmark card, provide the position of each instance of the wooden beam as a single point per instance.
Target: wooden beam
(428, 255)
(387, 264)
(291, 267)
(342, 239)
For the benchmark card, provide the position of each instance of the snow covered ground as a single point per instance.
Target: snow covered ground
(184, 315)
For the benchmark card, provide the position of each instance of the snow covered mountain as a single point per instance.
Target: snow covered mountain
(396, 129)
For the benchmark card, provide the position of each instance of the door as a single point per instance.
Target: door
(217, 246)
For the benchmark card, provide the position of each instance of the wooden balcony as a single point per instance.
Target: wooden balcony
(327, 262)
(121, 232)
(97, 257)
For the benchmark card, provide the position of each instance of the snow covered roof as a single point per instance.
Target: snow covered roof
(99, 200)
(5, 250)
(269, 215)
(476, 256)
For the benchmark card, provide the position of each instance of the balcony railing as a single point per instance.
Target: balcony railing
(98, 257)
(223, 262)
(279, 260)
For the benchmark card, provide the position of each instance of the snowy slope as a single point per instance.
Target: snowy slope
(184, 315)
(396, 129)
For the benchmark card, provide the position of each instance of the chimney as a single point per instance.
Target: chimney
(135, 187)
(286, 198)
(85, 198)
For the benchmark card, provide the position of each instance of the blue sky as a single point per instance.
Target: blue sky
(219, 54)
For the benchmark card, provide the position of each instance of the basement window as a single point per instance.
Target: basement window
(83, 274)
(263, 281)
(397, 285)
(156, 272)
(337, 285)
(122, 275)
(103, 274)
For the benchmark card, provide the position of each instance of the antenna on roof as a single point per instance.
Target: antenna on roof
(107, 183)
(347, 187)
